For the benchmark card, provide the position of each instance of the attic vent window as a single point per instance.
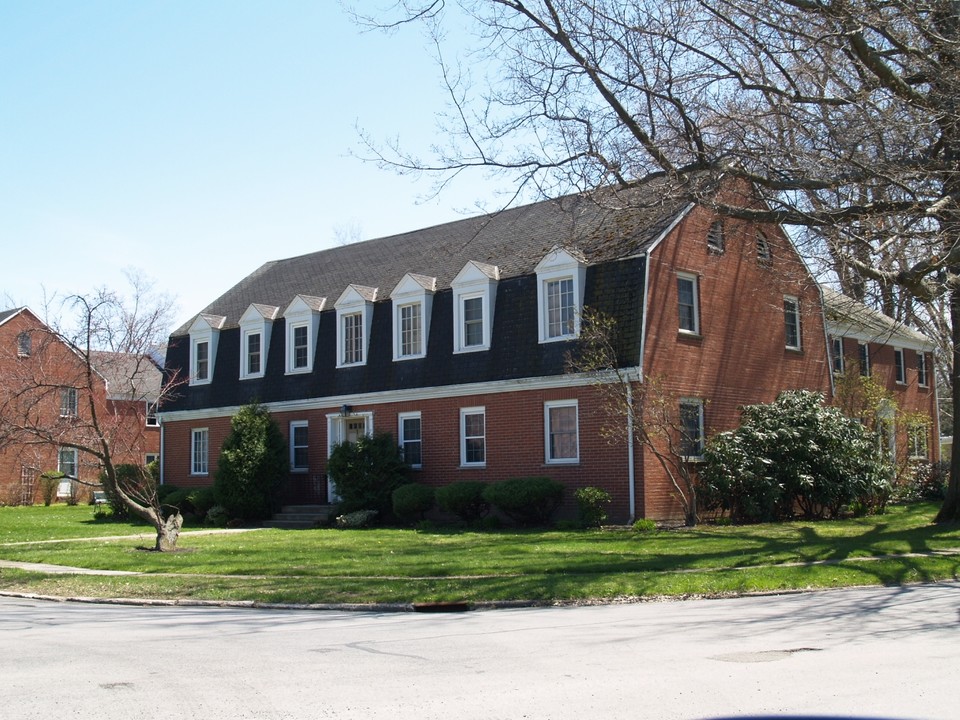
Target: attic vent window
(763, 249)
(715, 241)
(24, 344)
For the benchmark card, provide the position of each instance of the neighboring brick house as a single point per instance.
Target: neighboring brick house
(454, 339)
(865, 343)
(44, 385)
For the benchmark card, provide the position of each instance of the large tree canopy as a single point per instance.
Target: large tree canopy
(842, 114)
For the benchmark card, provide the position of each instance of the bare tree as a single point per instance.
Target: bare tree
(639, 409)
(70, 356)
(844, 115)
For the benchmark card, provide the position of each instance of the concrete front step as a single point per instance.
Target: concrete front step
(300, 517)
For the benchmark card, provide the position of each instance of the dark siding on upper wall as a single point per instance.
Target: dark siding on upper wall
(615, 288)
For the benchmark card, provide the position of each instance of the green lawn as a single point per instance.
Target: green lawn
(403, 566)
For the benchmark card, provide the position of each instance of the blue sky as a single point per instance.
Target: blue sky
(193, 141)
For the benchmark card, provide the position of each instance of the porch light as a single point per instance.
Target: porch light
(345, 410)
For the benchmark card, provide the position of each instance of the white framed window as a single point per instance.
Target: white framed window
(715, 239)
(473, 437)
(561, 431)
(922, 379)
(863, 356)
(67, 461)
(354, 319)
(151, 415)
(253, 342)
(791, 321)
(560, 283)
(412, 306)
(68, 402)
(151, 458)
(204, 339)
(410, 432)
(256, 327)
(302, 318)
(299, 446)
(899, 369)
(688, 303)
(691, 429)
(836, 354)
(24, 344)
(474, 299)
(918, 442)
(199, 451)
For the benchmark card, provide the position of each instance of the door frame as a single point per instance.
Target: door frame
(336, 426)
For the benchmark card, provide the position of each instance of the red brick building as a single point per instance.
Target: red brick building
(455, 339)
(45, 409)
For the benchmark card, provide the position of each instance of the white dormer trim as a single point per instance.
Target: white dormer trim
(560, 271)
(204, 338)
(302, 318)
(474, 287)
(354, 318)
(412, 301)
(256, 325)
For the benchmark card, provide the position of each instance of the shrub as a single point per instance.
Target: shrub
(217, 516)
(464, 499)
(180, 499)
(593, 502)
(356, 519)
(644, 525)
(201, 500)
(412, 501)
(366, 473)
(49, 484)
(252, 463)
(528, 501)
(793, 454)
(165, 491)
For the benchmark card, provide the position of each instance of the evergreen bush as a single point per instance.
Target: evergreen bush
(464, 499)
(412, 501)
(528, 501)
(366, 473)
(593, 503)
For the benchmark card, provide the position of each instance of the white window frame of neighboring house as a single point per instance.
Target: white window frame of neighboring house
(552, 432)
(68, 402)
(150, 457)
(70, 469)
(899, 366)
(560, 286)
(412, 300)
(716, 241)
(150, 415)
(837, 361)
(354, 314)
(302, 443)
(863, 357)
(694, 284)
(923, 375)
(689, 406)
(24, 344)
(475, 282)
(464, 437)
(406, 441)
(791, 322)
(919, 442)
(200, 451)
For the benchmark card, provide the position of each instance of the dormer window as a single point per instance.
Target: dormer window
(204, 338)
(474, 300)
(255, 329)
(303, 321)
(715, 239)
(412, 307)
(354, 320)
(560, 283)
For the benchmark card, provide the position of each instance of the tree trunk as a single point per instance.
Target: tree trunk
(950, 510)
(167, 532)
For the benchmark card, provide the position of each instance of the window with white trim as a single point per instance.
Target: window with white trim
(561, 430)
(473, 437)
(918, 442)
(199, 451)
(354, 318)
(899, 369)
(411, 330)
(302, 318)
(67, 461)
(560, 286)
(300, 347)
(412, 306)
(922, 379)
(691, 429)
(472, 334)
(863, 356)
(299, 446)
(151, 415)
(201, 361)
(836, 354)
(791, 321)
(688, 303)
(561, 309)
(151, 458)
(68, 402)
(204, 338)
(474, 299)
(253, 342)
(256, 327)
(351, 327)
(410, 432)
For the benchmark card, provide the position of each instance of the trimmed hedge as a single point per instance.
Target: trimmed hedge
(412, 501)
(528, 501)
(464, 499)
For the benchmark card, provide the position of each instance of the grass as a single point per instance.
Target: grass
(404, 566)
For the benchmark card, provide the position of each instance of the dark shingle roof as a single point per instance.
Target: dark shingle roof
(602, 226)
(128, 376)
(848, 316)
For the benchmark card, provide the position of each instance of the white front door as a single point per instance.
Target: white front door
(344, 429)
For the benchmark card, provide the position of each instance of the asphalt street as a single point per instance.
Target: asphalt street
(877, 653)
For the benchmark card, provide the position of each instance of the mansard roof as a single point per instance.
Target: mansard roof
(850, 318)
(601, 226)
